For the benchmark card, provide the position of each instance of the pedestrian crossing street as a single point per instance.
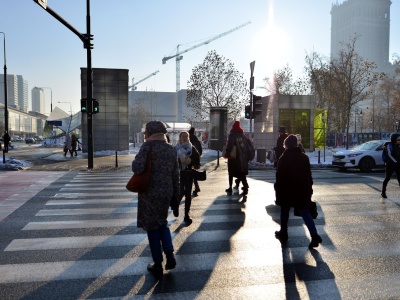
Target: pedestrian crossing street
(77, 239)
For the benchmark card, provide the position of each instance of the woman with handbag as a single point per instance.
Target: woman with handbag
(238, 166)
(293, 188)
(153, 204)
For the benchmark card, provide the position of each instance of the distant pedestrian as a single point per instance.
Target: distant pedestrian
(282, 135)
(237, 167)
(74, 145)
(392, 163)
(67, 145)
(153, 204)
(197, 144)
(299, 144)
(293, 188)
(6, 140)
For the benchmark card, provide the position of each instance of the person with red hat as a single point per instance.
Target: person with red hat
(238, 166)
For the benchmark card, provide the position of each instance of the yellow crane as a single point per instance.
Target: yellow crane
(179, 57)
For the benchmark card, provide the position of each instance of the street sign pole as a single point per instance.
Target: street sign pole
(252, 65)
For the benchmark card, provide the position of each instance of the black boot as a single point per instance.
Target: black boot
(282, 235)
(187, 219)
(315, 241)
(229, 191)
(156, 269)
(383, 194)
(171, 261)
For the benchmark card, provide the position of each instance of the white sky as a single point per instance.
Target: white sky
(136, 35)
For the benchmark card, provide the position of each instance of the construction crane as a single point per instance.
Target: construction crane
(134, 85)
(179, 57)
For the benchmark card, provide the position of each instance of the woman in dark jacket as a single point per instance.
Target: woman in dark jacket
(293, 188)
(154, 203)
(237, 167)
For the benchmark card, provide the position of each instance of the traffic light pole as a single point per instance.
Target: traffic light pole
(252, 65)
(89, 91)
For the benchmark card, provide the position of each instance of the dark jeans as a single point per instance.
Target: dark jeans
(157, 237)
(390, 168)
(305, 214)
(242, 179)
(186, 182)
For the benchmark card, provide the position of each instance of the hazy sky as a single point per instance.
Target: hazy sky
(136, 35)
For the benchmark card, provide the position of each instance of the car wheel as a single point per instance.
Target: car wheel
(366, 164)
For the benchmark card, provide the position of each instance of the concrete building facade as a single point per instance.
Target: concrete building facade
(12, 90)
(370, 20)
(38, 100)
(295, 113)
(110, 125)
(23, 96)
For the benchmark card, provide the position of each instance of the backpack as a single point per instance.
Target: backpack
(251, 153)
(384, 152)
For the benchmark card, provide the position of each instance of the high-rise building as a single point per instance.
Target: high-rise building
(368, 19)
(12, 90)
(38, 100)
(22, 93)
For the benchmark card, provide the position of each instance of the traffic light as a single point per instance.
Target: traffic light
(95, 106)
(257, 106)
(84, 108)
(247, 111)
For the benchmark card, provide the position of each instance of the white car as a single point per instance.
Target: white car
(365, 157)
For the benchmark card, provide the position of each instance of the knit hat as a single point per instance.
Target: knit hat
(191, 130)
(236, 127)
(155, 126)
(291, 141)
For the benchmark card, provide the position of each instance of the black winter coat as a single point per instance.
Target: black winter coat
(294, 181)
(239, 166)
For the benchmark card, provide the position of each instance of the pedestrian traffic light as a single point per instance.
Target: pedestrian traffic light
(247, 111)
(95, 106)
(84, 105)
(257, 106)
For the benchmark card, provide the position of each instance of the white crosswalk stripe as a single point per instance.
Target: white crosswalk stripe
(83, 234)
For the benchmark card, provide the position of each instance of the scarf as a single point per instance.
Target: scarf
(158, 136)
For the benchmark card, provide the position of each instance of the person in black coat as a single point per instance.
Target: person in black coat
(282, 135)
(237, 167)
(197, 144)
(293, 188)
(393, 161)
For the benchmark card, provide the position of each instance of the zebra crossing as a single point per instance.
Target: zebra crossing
(77, 239)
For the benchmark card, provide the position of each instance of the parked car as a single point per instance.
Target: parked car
(365, 157)
(30, 141)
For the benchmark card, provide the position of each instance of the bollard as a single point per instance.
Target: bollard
(319, 156)
(4, 157)
(116, 159)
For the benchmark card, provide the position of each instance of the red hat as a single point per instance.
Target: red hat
(236, 127)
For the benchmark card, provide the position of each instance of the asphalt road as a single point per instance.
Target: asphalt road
(75, 237)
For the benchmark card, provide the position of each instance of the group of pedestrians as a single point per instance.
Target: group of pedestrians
(171, 179)
(71, 145)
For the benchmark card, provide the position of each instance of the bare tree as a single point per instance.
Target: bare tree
(216, 82)
(138, 116)
(282, 83)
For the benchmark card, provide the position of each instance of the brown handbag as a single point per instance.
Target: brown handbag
(140, 182)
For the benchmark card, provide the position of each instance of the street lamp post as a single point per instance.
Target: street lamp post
(5, 88)
(51, 96)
